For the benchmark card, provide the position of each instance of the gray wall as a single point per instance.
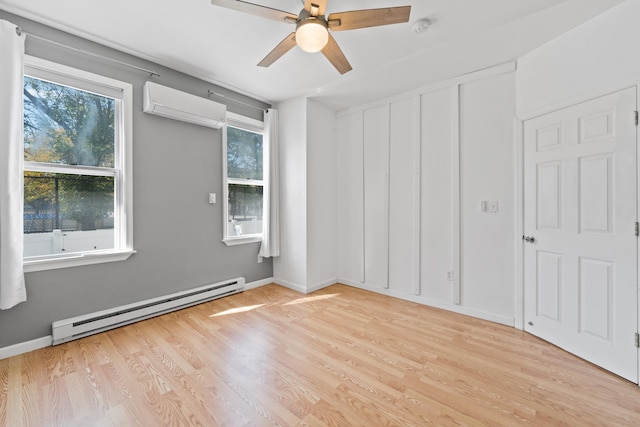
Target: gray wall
(177, 234)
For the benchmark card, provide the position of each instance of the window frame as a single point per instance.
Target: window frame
(122, 92)
(251, 125)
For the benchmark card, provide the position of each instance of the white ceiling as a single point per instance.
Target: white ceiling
(223, 46)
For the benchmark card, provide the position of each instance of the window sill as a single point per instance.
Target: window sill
(241, 240)
(74, 260)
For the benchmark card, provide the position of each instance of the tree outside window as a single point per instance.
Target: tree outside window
(244, 181)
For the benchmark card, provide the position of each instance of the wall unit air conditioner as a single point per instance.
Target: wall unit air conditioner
(174, 104)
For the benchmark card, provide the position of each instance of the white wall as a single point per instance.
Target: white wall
(321, 196)
(487, 173)
(308, 215)
(290, 268)
(597, 57)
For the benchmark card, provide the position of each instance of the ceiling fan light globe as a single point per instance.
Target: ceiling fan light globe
(312, 36)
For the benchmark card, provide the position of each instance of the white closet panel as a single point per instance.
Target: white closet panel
(350, 196)
(403, 203)
(438, 147)
(412, 173)
(376, 196)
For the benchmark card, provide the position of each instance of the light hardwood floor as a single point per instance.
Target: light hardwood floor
(340, 356)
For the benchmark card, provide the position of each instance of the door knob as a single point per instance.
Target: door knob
(529, 239)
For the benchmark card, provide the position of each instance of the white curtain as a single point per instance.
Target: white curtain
(271, 218)
(12, 288)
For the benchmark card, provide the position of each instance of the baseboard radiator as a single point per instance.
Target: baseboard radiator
(93, 323)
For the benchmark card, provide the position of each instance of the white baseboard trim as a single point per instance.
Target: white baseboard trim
(258, 283)
(321, 285)
(508, 321)
(306, 289)
(25, 347)
(290, 285)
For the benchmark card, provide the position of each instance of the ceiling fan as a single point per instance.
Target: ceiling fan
(312, 27)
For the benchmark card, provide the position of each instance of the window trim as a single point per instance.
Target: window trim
(251, 125)
(123, 209)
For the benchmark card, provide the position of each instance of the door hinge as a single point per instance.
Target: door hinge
(637, 338)
(637, 229)
(635, 114)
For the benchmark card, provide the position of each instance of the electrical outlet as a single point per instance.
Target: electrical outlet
(492, 206)
(450, 275)
(212, 198)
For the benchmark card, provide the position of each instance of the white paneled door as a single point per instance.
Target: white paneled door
(580, 231)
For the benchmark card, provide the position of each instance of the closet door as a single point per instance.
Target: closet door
(438, 188)
(404, 163)
(350, 198)
(376, 196)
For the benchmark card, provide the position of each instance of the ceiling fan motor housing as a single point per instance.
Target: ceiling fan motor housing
(311, 32)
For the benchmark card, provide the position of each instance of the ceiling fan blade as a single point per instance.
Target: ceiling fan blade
(255, 9)
(321, 5)
(368, 18)
(283, 47)
(334, 54)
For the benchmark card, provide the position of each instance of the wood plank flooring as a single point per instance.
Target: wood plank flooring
(337, 357)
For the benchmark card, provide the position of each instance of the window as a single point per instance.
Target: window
(244, 179)
(77, 167)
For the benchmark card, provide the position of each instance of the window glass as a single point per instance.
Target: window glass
(67, 126)
(80, 207)
(70, 202)
(245, 209)
(244, 154)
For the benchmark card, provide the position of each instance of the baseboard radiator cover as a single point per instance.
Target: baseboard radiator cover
(100, 321)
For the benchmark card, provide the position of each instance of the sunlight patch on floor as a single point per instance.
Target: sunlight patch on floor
(238, 310)
(311, 299)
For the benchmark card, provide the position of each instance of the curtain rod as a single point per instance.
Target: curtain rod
(151, 73)
(20, 31)
(213, 92)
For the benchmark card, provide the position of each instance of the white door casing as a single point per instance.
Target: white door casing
(580, 257)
